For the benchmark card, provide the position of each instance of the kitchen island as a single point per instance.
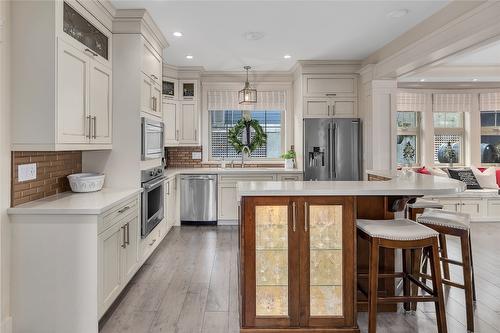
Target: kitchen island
(299, 253)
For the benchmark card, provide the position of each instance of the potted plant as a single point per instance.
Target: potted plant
(450, 154)
(289, 158)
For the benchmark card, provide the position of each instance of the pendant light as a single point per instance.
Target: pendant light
(247, 95)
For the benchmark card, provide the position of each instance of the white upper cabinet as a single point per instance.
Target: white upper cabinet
(150, 96)
(170, 111)
(69, 104)
(331, 85)
(317, 107)
(151, 63)
(188, 90)
(188, 123)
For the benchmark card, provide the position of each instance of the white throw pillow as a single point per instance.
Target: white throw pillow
(487, 178)
(439, 172)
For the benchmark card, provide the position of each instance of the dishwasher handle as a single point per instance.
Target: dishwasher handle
(203, 177)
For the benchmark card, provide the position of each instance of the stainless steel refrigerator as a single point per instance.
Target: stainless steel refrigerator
(332, 149)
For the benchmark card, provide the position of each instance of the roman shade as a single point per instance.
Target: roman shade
(228, 100)
(409, 101)
(489, 101)
(452, 102)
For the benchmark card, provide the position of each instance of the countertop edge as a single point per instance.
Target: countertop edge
(20, 210)
(169, 173)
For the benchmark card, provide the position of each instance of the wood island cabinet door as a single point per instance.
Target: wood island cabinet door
(326, 259)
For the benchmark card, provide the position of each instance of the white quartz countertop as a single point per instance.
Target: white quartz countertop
(401, 184)
(93, 203)
(177, 171)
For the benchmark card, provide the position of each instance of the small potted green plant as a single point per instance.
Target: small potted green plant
(289, 158)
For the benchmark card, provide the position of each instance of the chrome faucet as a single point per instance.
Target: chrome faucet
(243, 155)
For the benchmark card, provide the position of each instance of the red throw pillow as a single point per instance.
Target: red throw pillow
(424, 171)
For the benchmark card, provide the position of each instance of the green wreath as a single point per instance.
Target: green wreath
(259, 139)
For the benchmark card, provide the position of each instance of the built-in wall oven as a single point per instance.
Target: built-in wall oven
(152, 202)
(152, 139)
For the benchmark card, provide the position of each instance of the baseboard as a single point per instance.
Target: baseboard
(227, 222)
(6, 326)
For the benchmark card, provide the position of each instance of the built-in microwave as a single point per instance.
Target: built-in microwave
(152, 139)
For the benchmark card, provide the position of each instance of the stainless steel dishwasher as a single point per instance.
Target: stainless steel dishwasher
(198, 199)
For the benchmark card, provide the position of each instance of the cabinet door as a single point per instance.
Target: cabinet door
(146, 94)
(188, 90)
(151, 63)
(270, 282)
(111, 243)
(170, 201)
(72, 94)
(100, 103)
(156, 99)
(472, 207)
(326, 257)
(228, 201)
(170, 111)
(188, 123)
(343, 108)
(494, 208)
(450, 204)
(316, 107)
(130, 254)
(329, 85)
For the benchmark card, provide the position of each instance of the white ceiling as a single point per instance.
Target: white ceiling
(307, 30)
(478, 65)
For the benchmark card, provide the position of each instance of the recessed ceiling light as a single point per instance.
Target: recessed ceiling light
(189, 57)
(253, 35)
(422, 80)
(398, 13)
(287, 56)
(178, 34)
(475, 80)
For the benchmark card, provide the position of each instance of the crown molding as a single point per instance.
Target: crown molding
(449, 85)
(327, 66)
(129, 21)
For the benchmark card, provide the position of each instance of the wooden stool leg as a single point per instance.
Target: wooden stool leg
(444, 254)
(467, 269)
(406, 282)
(472, 269)
(437, 286)
(373, 285)
(416, 265)
(425, 259)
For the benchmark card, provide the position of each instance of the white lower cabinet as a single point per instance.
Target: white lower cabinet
(170, 202)
(479, 209)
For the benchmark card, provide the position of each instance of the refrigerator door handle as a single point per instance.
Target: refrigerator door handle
(355, 148)
(334, 152)
(330, 160)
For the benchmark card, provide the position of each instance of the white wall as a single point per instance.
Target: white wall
(5, 324)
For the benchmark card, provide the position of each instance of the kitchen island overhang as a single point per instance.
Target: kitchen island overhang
(299, 252)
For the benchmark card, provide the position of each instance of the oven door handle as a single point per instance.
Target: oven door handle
(155, 184)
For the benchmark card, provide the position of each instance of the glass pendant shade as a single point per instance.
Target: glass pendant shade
(247, 95)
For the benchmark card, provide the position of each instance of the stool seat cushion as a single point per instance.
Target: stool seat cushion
(398, 229)
(445, 218)
(422, 203)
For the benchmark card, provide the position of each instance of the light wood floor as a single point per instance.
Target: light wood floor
(190, 285)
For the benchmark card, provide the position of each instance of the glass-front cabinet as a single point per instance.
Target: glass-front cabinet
(296, 263)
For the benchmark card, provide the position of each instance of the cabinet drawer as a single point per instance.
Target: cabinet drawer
(118, 213)
(246, 177)
(290, 177)
(329, 85)
(150, 243)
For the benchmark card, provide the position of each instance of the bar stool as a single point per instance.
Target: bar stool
(454, 224)
(417, 208)
(408, 236)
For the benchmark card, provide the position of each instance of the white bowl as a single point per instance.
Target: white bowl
(86, 182)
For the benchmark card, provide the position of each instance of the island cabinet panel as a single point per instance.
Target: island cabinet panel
(297, 264)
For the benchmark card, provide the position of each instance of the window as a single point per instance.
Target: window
(490, 136)
(448, 128)
(221, 121)
(408, 124)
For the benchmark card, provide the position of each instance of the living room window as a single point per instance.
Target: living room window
(408, 129)
(448, 130)
(221, 121)
(490, 136)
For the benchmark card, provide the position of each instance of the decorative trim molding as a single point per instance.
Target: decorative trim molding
(463, 86)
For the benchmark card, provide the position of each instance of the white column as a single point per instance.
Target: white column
(378, 114)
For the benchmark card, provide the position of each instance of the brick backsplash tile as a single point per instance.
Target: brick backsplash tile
(52, 169)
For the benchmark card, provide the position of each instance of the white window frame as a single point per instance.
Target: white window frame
(220, 83)
(416, 131)
(488, 130)
(451, 131)
(250, 158)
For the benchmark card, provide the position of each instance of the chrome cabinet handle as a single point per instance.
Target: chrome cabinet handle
(177, 135)
(195, 134)
(124, 209)
(328, 109)
(90, 125)
(91, 52)
(331, 95)
(306, 222)
(154, 241)
(168, 188)
(95, 126)
(123, 237)
(294, 218)
(154, 76)
(333, 109)
(127, 238)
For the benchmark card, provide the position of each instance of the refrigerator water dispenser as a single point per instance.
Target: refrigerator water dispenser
(317, 157)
